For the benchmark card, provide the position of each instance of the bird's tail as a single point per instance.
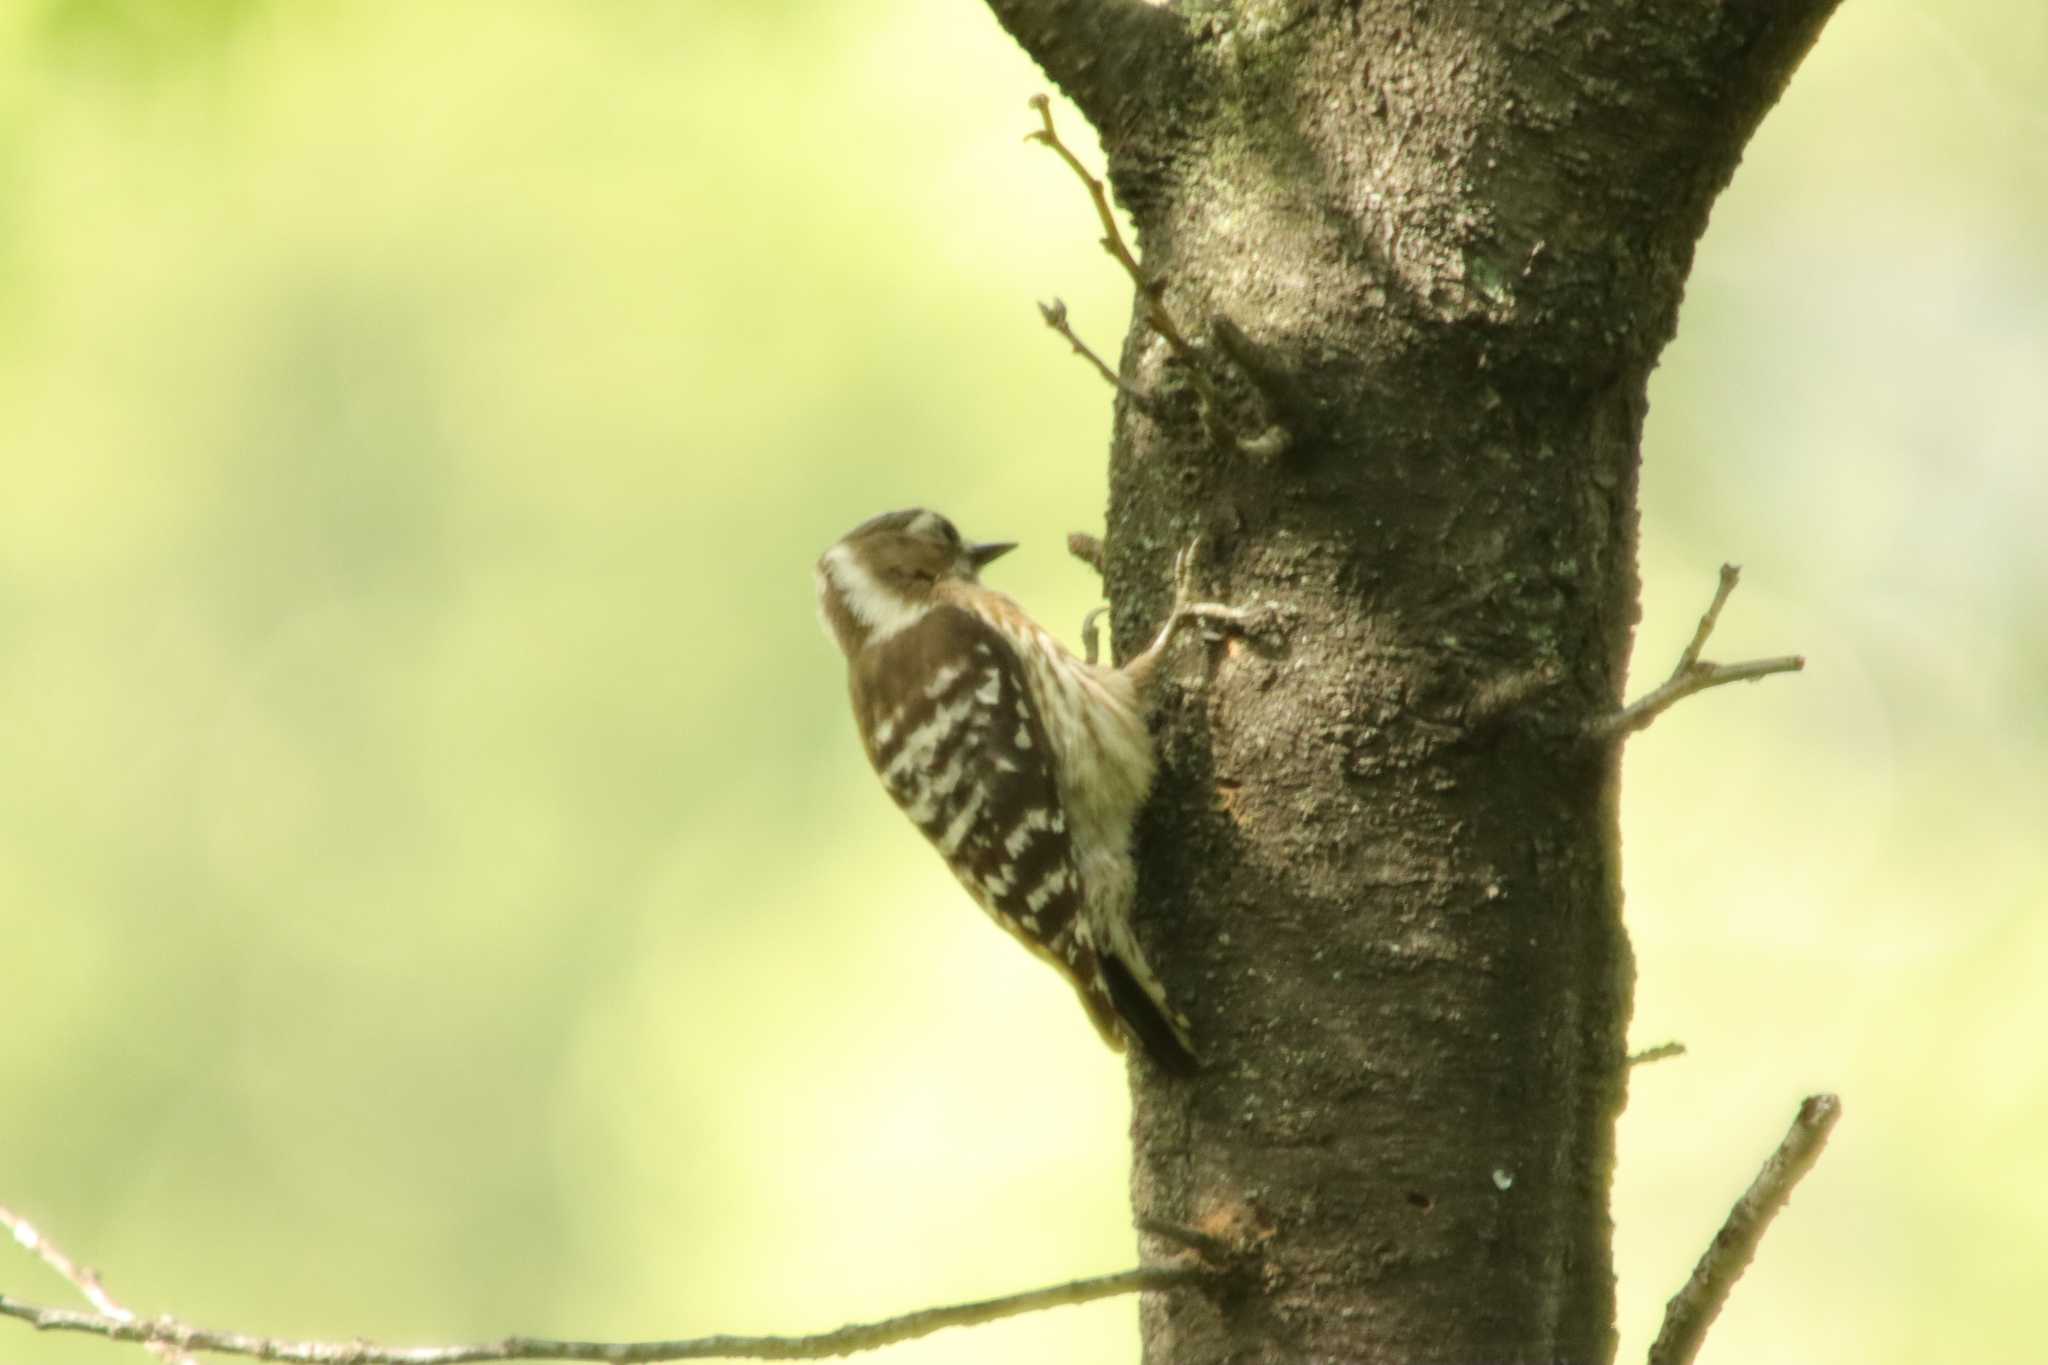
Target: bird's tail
(1144, 1014)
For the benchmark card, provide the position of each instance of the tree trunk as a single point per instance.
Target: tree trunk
(1381, 872)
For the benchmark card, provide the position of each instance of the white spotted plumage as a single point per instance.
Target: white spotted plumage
(1025, 766)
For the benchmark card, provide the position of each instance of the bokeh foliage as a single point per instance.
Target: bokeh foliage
(440, 891)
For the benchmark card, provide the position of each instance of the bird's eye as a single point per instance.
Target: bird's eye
(946, 529)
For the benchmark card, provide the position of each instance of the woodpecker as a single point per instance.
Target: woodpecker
(1024, 765)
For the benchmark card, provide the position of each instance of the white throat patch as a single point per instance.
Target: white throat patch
(882, 611)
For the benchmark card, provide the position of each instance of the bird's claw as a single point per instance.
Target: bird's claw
(1184, 573)
(1185, 608)
(1091, 638)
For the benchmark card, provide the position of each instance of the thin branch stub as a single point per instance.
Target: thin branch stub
(1055, 315)
(1087, 549)
(1693, 673)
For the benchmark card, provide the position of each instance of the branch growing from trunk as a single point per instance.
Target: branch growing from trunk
(1693, 673)
(1659, 1053)
(1055, 315)
(1112, 241)
(172, 1339)
(1268, 439)
(1692, 1310)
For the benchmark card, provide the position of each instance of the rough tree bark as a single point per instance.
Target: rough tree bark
(1382, 872)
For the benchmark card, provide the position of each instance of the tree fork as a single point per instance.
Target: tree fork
(1393, 909)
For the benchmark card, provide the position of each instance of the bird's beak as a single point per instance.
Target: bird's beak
(980, 556)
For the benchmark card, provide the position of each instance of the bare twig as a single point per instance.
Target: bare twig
(1659, 1053)
(1055, 315)
(1692, 1310)
(1270, 439)
(1149, 290)
(1731, 574)
(1693, 673)
(82, 1278)
(845, 1341)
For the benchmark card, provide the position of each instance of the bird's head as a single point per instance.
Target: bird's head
(881, 576)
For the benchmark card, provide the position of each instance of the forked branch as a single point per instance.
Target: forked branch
(84, 1279)
(173, 1338)
(1269, 439)
(1149, 290)
(1693, 673)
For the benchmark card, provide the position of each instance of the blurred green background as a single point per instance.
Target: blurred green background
(440, 890)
